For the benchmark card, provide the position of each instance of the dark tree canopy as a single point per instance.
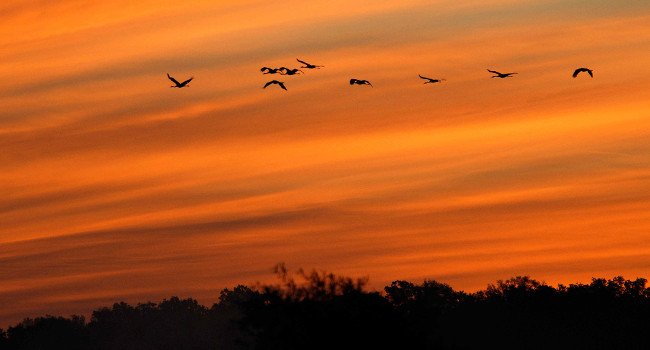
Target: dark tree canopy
(320, 310)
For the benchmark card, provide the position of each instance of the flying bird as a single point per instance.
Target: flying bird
(359, 82)
(500, 75)
(271, 70)
(577, 71)
(308, 65)
(431, 80)
(179, 85)
(288, 71)
(281, 83)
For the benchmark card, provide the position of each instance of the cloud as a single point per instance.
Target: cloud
(116, 186)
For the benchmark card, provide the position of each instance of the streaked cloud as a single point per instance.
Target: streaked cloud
(115, 186)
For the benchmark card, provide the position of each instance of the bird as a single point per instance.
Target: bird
(288, 71)
(308, 65)
(359, 82)
(577, 71)
(431, 80)
(500, 75)
(281, 83)
(271, 70)
(179, 85)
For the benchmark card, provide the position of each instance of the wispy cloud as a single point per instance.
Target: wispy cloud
(116, 186)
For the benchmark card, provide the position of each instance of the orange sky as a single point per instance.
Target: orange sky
(116, 187)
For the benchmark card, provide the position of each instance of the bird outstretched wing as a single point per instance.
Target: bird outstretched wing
(173, 80)
(187, 81)
(591, 73)
(269, 83)
(282, 85)
(303, 62)
(493, 71)
(421, 77)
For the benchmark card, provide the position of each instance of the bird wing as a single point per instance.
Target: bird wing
(493, 71)
(424, 77)
(576, 72)
(591, 73)
(269, 83)
(187, 81)
(282, 85)
(172, 79)
(303, 62)
(511, 73)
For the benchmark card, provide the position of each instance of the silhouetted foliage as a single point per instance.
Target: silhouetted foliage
(171, 324)
(3, 339)
(42, 332)
(320, 310)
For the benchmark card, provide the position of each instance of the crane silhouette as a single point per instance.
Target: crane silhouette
(308, 65)
(179, 85)
(271, 70)
(431, 80)
(589, 71)
(500, 75)
(281, 83)
(359, 82)
(288, 71)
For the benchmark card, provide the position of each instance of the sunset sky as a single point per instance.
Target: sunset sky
(114, 186)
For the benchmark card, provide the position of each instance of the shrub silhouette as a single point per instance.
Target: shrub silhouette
(320, 310)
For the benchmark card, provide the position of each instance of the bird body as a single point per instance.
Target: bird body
(280, 83)
(359, 82)
(500, 75)
(589, 71)
(267, 70)
(287, 71)
(177, 84)
(309, 65)
(431, 80)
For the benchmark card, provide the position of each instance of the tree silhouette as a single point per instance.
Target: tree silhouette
(320, 310)
(42, 332)
(4, 343)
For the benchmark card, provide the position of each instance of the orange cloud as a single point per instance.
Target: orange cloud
(115, 186)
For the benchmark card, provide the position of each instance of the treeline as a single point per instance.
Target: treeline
(320, 310)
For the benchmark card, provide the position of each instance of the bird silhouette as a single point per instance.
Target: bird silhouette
(308, 65)
(577, 71)
(500, 75)
(359, 82)
(431, 80)
(281, 83)
(179, 85)
(271, 70)
(288, 71)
